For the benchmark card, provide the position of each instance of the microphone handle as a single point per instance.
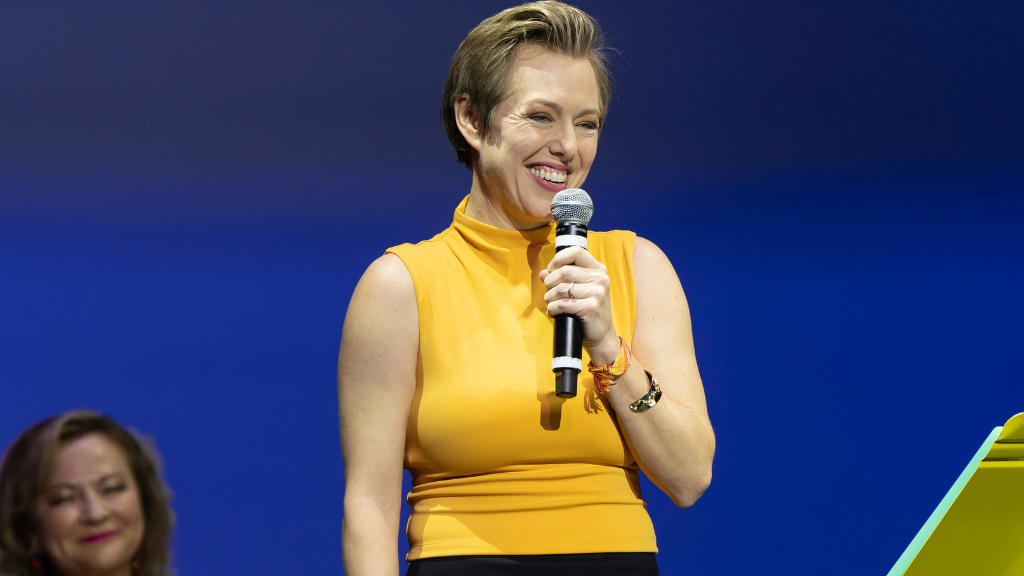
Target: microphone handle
(568, 343)
(568, 347)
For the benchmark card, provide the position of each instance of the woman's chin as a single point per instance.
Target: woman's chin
(539, 211)
(110, 561)
(538, 204)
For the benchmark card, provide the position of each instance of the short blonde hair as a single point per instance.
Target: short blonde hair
(481, 66)
(26, 468)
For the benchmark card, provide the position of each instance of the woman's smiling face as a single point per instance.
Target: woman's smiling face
(90, 518)
(542, 138)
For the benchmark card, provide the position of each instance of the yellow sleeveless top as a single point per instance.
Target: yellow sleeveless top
(500, 465)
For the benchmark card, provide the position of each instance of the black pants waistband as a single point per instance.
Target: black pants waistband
(603, 564)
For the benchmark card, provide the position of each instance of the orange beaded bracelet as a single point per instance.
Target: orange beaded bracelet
(604, 376)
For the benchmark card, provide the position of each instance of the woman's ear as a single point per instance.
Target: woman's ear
(468, 122)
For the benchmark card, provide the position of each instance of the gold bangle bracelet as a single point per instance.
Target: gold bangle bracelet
(650, 399)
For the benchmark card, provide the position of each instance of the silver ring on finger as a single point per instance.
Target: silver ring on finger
(571, 296)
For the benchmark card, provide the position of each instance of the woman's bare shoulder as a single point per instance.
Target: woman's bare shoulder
(663, 316)
(648, 253)
(388, 276)
(386, 287)
(382, 321)
(652, 267)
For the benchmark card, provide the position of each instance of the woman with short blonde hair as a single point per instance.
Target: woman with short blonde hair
(445, 366)
(480, 69)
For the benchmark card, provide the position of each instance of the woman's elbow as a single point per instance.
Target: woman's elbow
(689, 491)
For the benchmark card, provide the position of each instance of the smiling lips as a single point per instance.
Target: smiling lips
(99, 537)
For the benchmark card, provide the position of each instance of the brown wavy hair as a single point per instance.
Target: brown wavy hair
(25, 472)
(481, 65)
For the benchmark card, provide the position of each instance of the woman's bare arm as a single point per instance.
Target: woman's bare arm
(673, 442)
(376, 384)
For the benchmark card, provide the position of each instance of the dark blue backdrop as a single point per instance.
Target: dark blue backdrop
(189, 192)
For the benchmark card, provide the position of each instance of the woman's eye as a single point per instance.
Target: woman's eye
(58, 500)
(115, 489)
(540, 117)
(588, 125)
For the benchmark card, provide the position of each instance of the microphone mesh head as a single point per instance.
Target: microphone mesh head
(572, 205)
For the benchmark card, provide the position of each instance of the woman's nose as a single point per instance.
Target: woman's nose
(563, 144)
(94, 510)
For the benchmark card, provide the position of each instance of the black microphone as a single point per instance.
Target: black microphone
(572, 209)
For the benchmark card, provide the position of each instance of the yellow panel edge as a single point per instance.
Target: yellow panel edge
(1013, 430)
(1006, 451)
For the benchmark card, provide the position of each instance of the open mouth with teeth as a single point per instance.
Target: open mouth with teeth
(549, 175)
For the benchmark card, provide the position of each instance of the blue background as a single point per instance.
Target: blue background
(190, 191)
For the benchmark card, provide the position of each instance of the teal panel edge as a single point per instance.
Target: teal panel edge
(926, 531)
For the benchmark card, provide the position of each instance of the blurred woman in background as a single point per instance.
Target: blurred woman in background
(81, 496)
